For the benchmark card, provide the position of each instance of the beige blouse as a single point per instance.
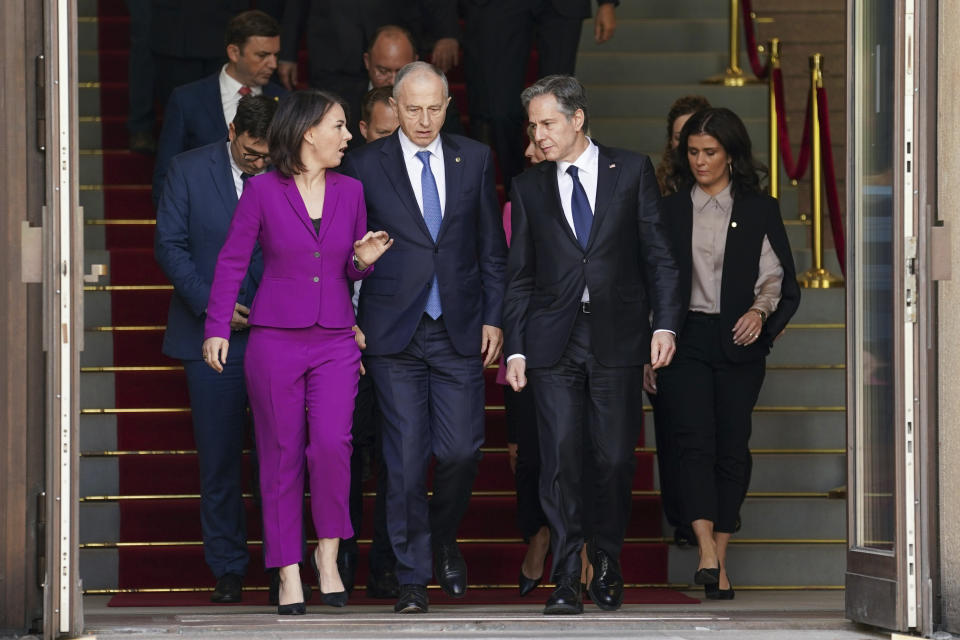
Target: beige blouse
(711, 220)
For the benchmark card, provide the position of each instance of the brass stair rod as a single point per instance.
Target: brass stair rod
(733, 76)
(774, 63)
(817, 277)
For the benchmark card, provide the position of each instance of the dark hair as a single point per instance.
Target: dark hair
(568, 91)
(250, 24)
(683, 106)
(372, 97)
(254, 114)
(392, 29)
(296, 113)
(728, 129)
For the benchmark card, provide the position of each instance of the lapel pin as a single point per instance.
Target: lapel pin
(613, 165)
(457, 159)
(733, 224)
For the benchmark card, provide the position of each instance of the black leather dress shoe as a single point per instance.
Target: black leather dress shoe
(565, 599)
(229, 589)
(347, 568)
(413, 599)
(450, 570)
(273, 594)
(527, 584)
(382, 585)
(606, 588)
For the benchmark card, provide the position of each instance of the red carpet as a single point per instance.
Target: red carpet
(159, 510)
(490, 596)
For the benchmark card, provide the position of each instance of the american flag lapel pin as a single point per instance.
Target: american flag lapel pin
(613, 165)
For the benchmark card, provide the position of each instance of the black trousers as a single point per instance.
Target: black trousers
(522, 429)
(497, 40)
(580, 398)
(709, 401)
(668, 462)
(367, 454)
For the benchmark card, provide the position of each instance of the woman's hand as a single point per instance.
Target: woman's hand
(748, 328)
(512, 453)
(649, 380)
(215, 353)
(370, 247)
(361, 343)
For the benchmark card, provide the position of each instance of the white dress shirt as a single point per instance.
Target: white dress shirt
(415, 167)
(230, 94)
(236, 172)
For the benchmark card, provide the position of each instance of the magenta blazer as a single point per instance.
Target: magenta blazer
(305, 274)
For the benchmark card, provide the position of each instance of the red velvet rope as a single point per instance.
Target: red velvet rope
(830, 180)
(759, 69)
(796, 171)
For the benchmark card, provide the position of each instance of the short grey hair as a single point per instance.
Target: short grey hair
(568, 91)
(415, 68)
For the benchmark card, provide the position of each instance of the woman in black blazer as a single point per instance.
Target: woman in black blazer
(739, 286)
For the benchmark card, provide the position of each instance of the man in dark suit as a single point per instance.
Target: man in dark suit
(196, 207)
(198, 113)
(589, 259)
(497, 41)
(338, 32)
(431, 315)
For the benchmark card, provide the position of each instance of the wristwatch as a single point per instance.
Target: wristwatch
(356, 263)
(763, 314)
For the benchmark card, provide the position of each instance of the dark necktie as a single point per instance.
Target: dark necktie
(433, 216)
(580, 208)
(243, 179)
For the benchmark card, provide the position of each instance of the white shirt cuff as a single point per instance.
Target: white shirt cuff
(516, 355)
(674, 333)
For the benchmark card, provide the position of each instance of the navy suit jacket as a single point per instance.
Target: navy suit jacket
(468, 258)
(194, 214)
(193, 118)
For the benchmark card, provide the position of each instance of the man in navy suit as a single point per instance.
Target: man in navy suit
(197, 113)
(200, 193)
(431, 315)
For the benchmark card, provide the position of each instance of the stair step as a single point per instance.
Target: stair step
(648, 135)
(661, 34)
(718, 9)
(681, 67)
(782, 565)
(785, 430)
(654, 100)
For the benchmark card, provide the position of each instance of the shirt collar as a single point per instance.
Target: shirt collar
(229, 85)
(233, 163)
(410, 148)
(723, 200)
(586, 161)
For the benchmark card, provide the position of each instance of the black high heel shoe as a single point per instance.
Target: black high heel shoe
(292, 609)
(334, 599)
(527, 584)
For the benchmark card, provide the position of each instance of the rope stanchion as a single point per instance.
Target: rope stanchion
(773, 62)
(734, 75)
(817, 277)
(833, 198)
(759, 69)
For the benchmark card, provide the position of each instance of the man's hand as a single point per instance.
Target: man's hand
(491, 344)
(649, 380)
(359, 336)
(215, 353)
(287, 71)
(517, 373)
(446, 54)
(239, 321)
(605, 23)
(663, 345)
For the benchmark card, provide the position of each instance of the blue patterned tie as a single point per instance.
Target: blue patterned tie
(580, 208)
(433, 216)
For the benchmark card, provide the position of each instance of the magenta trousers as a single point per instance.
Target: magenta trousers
(302, 384)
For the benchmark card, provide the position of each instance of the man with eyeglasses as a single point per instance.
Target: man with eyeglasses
(196, 206)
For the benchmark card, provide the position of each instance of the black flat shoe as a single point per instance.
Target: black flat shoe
(294, 609)
(527, 584)
(714, 592)
(413, 599)
(332, 599)
(707, 576)
(565, 599)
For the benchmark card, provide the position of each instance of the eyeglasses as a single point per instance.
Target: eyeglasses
(253, 157)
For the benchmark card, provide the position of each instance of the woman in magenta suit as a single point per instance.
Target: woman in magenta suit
(302, 362)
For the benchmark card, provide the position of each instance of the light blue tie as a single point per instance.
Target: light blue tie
(433, 216)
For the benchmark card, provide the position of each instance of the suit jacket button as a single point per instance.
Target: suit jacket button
(316, 254)
(585, 261)
(316, 279)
